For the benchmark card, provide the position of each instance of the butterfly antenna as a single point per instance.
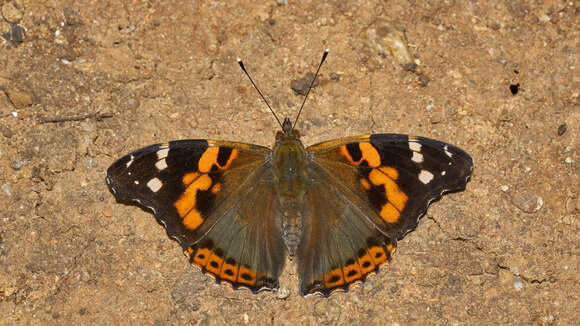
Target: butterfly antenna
(257, 89)
(311, 85)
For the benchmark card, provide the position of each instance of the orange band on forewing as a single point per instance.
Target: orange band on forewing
(189, 178)
(233, 156)
(368, 153)
(193, 219)
(216, 188)
(390, 172)
(344, 152)
(209, 158)
(185, 205)
(395, 195)
(389, 213)
(365, 184)
(396, 198)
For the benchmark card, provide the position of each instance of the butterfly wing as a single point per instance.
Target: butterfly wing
(370, 191)
(210, 196)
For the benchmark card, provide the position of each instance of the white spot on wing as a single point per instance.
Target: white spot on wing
(414, 146)
(447, 152)
(136, 182)
(425, 176)
(161, 165)
(443, 172)
(128, 164)
(154, 184)
(417, 157)
(162, 153)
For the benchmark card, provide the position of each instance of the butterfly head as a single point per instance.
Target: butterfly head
(288, 132)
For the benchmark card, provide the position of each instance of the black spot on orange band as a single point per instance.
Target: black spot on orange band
(354, 151)
(223, 156)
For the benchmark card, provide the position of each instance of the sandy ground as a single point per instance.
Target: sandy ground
(84, 82)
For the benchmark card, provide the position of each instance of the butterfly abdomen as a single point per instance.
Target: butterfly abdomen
(289, 159)
(292, 226)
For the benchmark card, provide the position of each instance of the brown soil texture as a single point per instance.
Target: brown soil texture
(84, 82)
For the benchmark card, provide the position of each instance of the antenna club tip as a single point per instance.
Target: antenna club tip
(239, 60)
(327, 50)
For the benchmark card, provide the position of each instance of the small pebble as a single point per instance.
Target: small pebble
(544, 19)
(6, 190)
(20, 96)
(282, 293)
(11, 13)
(6, 132)
(389, 36)
(301, 86)
(15, 35)
(562, 129)
(527, 201)
(518, 284)
(17, 164)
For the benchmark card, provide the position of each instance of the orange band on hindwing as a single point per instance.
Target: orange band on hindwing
(352, 271)
(334, 278)
(228, 271)
(247, 276)
(355, 270)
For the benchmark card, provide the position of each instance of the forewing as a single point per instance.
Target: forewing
(393, 177)
(210, 197)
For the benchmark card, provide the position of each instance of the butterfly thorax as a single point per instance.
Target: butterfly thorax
(289, 159)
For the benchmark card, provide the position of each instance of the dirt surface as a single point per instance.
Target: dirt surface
(84, 82)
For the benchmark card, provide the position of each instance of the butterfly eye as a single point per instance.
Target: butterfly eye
(278, 135)
(296, 133)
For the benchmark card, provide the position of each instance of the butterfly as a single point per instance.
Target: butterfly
(337, 207)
